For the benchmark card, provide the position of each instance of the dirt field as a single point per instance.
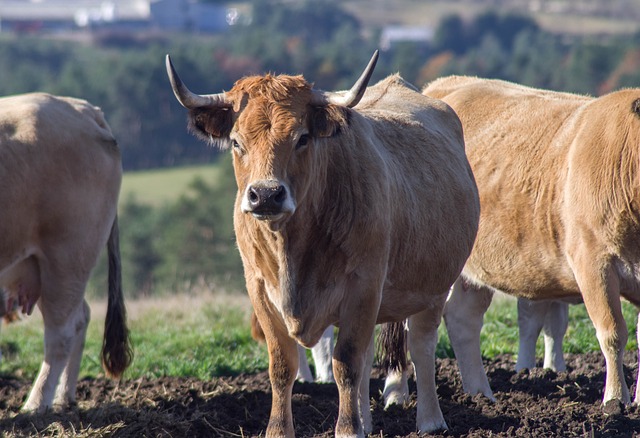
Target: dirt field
(529, 404)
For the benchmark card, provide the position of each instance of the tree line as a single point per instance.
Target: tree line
(191, 239)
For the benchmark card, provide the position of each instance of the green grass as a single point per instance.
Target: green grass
(157, 187)
(183, 335)
(499, 333)
(204, 334)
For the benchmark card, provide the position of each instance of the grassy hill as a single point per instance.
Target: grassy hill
(159, 186)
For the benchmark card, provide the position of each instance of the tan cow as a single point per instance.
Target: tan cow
(60, 175)
(559, 183)
(346, 216)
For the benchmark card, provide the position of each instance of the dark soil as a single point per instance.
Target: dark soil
(539, 403)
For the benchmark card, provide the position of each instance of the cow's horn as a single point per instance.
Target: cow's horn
(351, 97)
(191, 100)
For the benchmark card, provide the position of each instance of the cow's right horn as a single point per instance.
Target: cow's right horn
(349, 98)
(191, 100)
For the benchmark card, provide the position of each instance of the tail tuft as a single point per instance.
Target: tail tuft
(391, 346)
(117, 352)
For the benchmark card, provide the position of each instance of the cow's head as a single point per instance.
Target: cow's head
(271, 123)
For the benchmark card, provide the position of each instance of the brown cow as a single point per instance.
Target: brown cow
(60, 174)
(559, 183)
(346, 216)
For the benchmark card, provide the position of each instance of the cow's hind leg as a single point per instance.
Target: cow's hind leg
(423, 337)
(601, 293)
(66, 390)
(555, 326)
(365, 390)
(304, 372)
(393, 348)
(63, 342)
(322, 354)
(65, 317)
(396, 387)
(531, 318)
(637, 397)
(463, 315)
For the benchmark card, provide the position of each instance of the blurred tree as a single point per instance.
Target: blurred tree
(532, 55)
(588, 66)
(197, 239)
(139, 246)
(451, 35)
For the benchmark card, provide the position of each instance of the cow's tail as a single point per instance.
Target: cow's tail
(392, 346)
(117, 353)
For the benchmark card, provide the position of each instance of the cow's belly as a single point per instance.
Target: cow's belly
(398, 305)
(523, 272)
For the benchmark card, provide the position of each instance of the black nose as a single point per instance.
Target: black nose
(267, 199)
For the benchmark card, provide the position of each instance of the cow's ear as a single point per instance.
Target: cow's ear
(327, 121)
(210, 125)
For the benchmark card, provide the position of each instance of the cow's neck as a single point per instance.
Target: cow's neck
(314, 250)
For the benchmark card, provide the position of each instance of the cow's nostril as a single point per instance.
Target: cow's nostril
(280, 195)
(253, 196)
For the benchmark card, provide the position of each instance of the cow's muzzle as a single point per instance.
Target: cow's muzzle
(267, 200)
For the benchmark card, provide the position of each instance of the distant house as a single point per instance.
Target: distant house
(61, 15)
(396, 34)
(188, 15)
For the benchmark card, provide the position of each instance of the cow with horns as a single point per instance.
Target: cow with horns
(60, 173)
(353, 208)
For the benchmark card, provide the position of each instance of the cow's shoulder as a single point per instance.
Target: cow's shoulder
(397, 101)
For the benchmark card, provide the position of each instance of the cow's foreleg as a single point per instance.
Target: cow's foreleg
(423, 337)
(531, 317)
(555, 326)
(601, 292)
(63, 340)
(350, 354)
(283, 364)
(463, 315)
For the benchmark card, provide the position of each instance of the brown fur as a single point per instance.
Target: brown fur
(559, 183)
(60, 173)
(370, 237)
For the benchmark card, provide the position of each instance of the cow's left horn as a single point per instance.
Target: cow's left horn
(351, 97)
(191, 100)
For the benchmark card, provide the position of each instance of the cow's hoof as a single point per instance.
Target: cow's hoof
(613, 407)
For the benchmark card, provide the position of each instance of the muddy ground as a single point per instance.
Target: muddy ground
(529, 404)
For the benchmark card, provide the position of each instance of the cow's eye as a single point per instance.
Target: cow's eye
(302, 141)
(236, 146)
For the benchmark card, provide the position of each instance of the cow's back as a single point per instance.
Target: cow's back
(433, 197)
(60, 168)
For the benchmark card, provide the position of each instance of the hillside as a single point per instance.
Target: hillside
(161, 186)
(558, 16)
